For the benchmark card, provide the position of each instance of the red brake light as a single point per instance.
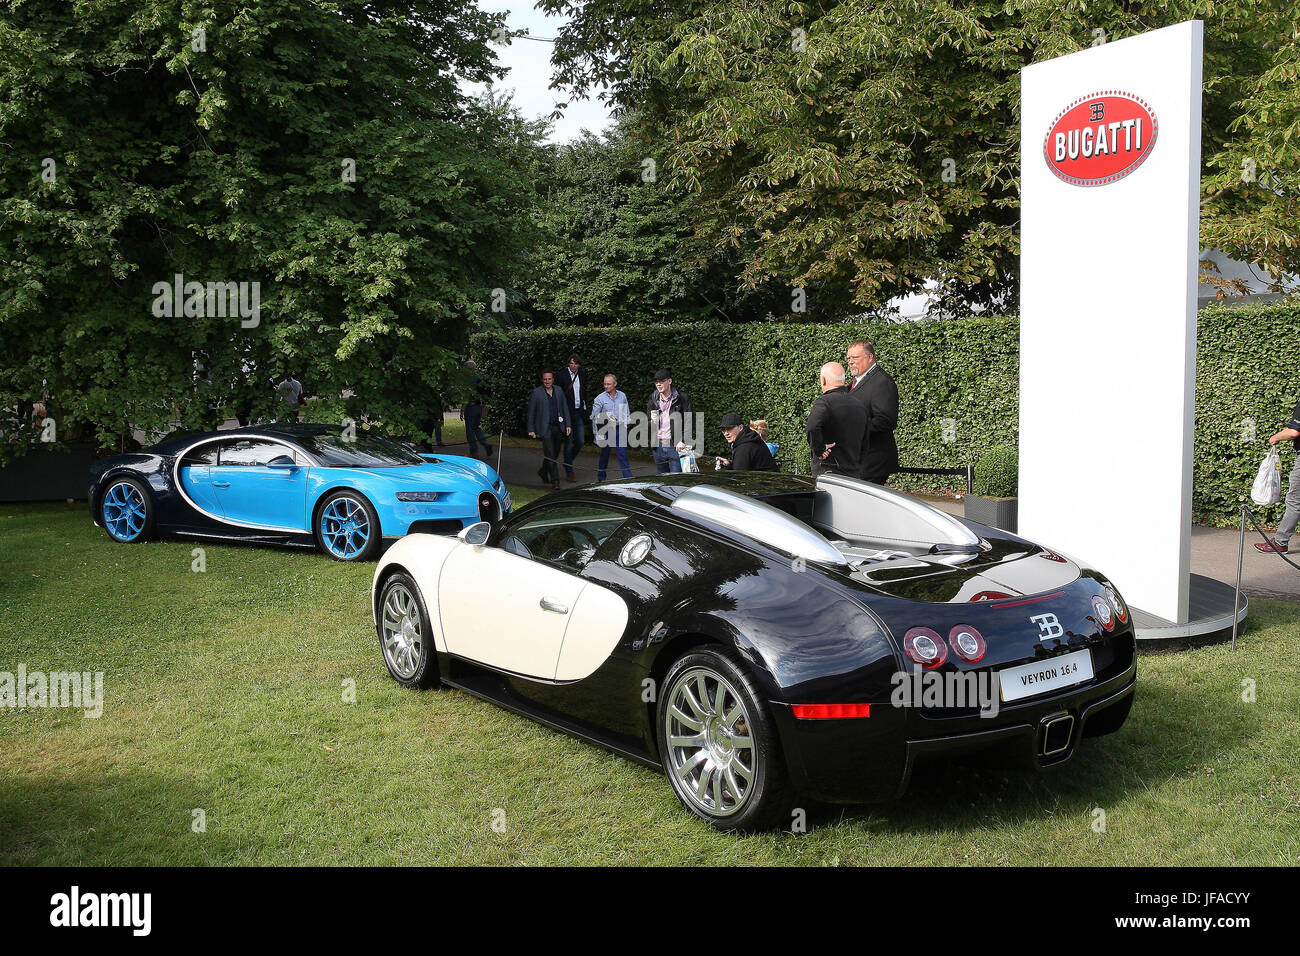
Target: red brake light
(925, 647)
(967, 643)
(1117, 602)
(830, 711)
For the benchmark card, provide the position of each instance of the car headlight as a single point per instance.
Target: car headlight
(417, 496)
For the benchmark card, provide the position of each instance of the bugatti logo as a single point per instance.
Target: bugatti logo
(1048, 626)
(1100, 138)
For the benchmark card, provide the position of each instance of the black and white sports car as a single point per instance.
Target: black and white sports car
(762, 637)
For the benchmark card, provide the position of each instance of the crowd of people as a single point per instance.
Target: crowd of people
(850, 426)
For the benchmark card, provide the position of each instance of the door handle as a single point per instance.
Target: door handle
(556, 606)
(221, 484)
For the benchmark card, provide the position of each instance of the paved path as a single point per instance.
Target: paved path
(521, 457)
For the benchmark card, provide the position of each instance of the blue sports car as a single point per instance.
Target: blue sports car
(292, 484)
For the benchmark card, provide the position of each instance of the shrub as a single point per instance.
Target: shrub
(996, 474)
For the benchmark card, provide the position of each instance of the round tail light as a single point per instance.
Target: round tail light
(1105, 616)
(1117, 602)
(925, 647)
(967, 643)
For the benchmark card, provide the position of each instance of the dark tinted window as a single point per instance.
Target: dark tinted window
(565, 534)
(364, 451)
(251, 452)
(202, 455)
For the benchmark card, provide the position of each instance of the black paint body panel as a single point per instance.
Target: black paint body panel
(816, 634)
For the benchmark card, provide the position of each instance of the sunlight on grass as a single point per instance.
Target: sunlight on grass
(225, 692)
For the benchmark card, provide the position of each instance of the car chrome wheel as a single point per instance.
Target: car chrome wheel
(710, 749)
(125, 511)
(403, 639)
(345, 527)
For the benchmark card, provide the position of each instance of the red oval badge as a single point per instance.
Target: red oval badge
(1100, 138)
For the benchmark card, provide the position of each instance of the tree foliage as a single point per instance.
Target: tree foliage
(149, 138)
(860, 149)
(616, 244)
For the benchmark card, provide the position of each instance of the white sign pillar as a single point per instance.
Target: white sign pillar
(1110, 196)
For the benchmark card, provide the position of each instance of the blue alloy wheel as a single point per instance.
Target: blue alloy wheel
(125, 511)
(345, 527)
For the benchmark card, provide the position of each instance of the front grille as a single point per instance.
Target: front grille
(435, 526)
(488, 508)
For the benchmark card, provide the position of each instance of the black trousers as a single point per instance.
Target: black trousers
(552, 443)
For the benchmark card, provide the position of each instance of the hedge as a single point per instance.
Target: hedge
(958, 381)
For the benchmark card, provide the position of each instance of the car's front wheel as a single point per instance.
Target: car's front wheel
(347, 527)
(719, 745)
(405, 633)
(126, 511)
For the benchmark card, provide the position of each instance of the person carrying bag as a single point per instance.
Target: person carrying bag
(1267, 489)
(1269, 484)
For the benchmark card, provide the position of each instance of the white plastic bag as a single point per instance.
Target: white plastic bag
(689, 465)
(1267, 489)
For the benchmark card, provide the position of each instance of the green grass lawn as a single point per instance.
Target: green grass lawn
(453, 431)
(224, 691)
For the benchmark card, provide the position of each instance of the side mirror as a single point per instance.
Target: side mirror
(477, 533)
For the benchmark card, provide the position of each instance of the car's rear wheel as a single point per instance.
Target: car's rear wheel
(126, 511)
(719, 745)
(405, 633)
(347, 527)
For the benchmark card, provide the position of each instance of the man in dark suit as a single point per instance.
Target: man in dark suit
(573, 381)
(836, 425)
(875, 389)
(548, 420)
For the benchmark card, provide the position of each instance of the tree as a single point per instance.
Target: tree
(615, 245)
(860, 149)
(313, 162)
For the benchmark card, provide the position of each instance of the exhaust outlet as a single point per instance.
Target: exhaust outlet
(1055, 734)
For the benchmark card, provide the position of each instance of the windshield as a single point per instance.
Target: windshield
(364, 451)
